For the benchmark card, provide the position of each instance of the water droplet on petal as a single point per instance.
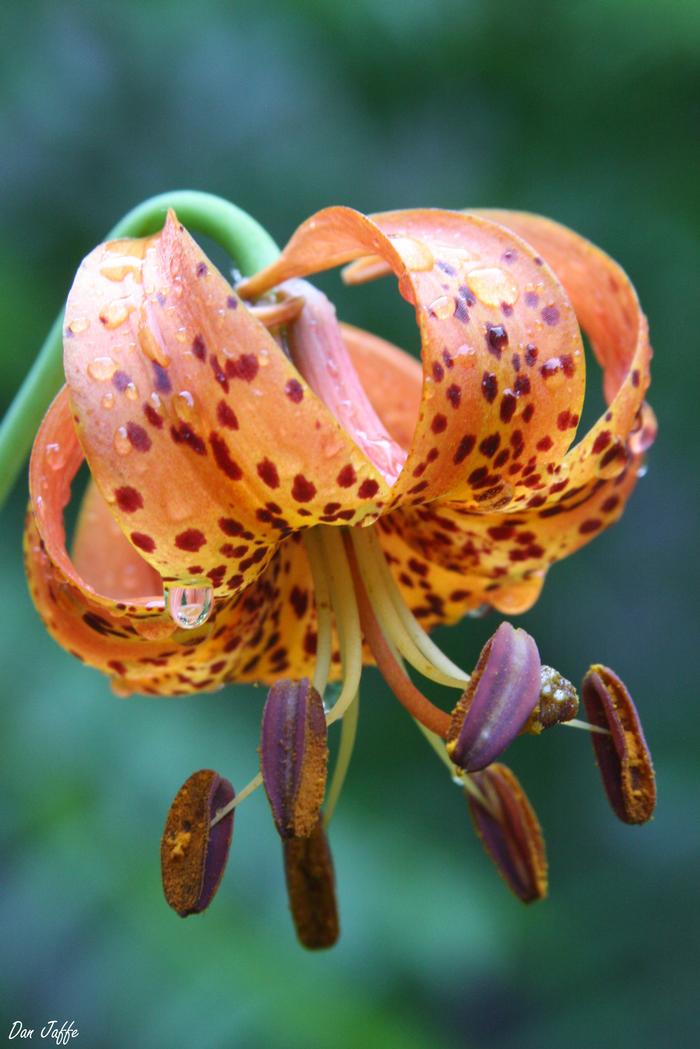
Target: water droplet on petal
(102, 368)
(131, 391)
(155, 400)
(190, 606)
(644, 433)
(115, 313)
(643, 469)
(416, 255)
(492, 286)
(442, 308)
(108, 401)
(479, 612)
(54, 456)
(79, 325)
(151, 347)
(122, 444)
(184, 406)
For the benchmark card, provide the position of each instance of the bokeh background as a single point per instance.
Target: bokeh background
(584, 111)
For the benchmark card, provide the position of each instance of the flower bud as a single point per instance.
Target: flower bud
(510, 832)
(502, 693)
(622, 753)
(294, 756)
(193, 854)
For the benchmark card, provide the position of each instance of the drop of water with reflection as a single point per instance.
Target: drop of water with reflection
(102, 368)
(190, 606)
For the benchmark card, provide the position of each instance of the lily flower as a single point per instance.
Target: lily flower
(277, 497)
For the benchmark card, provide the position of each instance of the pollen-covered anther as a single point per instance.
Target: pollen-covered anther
(622, 753)
(502, 693)
(308, 868)
(513, 838)
(193, 853)
(558, 702)
(294, 756)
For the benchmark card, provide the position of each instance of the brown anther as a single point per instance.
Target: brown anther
(294, 756)
(623, 756)
(308, 868)
(513, 839)
(193, 855)
(558, 702)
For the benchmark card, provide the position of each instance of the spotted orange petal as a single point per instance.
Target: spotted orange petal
(105, 603)
(197, 428)
(486, 304)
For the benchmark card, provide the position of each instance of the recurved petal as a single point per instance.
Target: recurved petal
(485, 305)
(106, 607)
(196, 426)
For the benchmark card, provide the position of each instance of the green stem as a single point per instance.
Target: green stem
(235, 230)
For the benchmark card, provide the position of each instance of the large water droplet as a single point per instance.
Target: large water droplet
(80, 324)
(54, 455)
(122, 444)
(131, 391)
(442, 308)
(151, 347)
(492, 286)
(190, 606)
(102, 368)
(644, 433)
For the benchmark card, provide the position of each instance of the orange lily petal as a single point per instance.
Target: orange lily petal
(486, 304)
(197, 427)
(94, 606)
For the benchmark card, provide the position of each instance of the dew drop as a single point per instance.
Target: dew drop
(122, 444)
(151, 347)
(54, 456)
(644, 433)
(416, 256)
(79, 325)
(108, 401)
(479, 612)
(465, 355)
(101, 368)
(119, 270)
(492, 286)
(189, 606)
(114, 314)
(155, 400)
(442, 308)
(643, 469)
(131, 391)
(184, 406)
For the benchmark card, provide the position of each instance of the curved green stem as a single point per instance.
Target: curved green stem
(235, 230)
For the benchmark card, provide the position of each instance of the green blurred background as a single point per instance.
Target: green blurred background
(587, 112)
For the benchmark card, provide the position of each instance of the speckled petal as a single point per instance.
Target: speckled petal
(474, 286)
(104, 605)
(196, 426)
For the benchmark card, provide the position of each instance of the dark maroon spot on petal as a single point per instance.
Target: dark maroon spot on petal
(191, 539)
(223, 457)
(116, 666)
(489, 446)
(232, 302)
(538, 261)
(509, 256)
(303, 490)
(489, 386)
(544, 444)
(152, 415)
(454, 395)
(496, 339)
(591, 525)
(367, 489)
(439, 423)
(464, 448)
(460, 311)
(509, 403)
(184, 434)
(128, 499)
(567, 363)
(563, 420)
(531, 299)
(528, 413)
(347, 476)
(161, 377)
(521, 386)
(468, 295)
(120, 381)
(198, 348)
(138, 437)
(202, 269)
(219, 374)
(438, 371)
(610, 504)
(231, 527)
(531, 353)
(550, 315)
(477, 476)
(447, 358)
(294, 390)
(601, 442)
(506, 309)
(226, 415)
(501, 458)
(267, 472)
(244, 367)
(144, 542)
